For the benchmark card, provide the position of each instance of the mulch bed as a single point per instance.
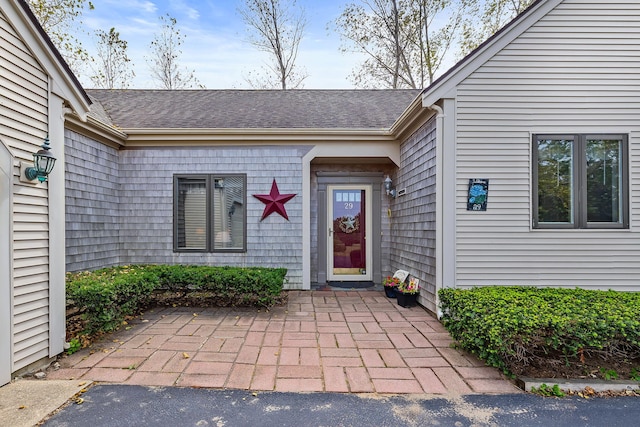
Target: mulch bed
(592, 366)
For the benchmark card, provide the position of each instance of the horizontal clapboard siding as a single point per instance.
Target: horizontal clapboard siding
(23, 126)
(577, 70)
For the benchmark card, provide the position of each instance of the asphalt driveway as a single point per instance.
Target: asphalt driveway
(120, 405)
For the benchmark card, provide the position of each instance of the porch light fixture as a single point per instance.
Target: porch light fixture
(387, 186)
(43, 162)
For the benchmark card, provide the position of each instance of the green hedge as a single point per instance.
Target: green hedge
(507, 326)
(231, 285)
(105, 297)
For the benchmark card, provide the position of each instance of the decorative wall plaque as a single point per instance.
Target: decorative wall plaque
(478, 193)
(274, 201)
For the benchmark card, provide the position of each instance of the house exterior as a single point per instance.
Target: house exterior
(175, 151)
(36, 89)
(547, 111)
(519, 166)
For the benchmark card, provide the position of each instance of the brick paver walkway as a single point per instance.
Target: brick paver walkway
(331, 341)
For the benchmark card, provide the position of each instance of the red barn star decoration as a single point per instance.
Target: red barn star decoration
(274, 201)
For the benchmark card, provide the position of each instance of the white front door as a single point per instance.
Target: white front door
(349, 242)
(5, 265)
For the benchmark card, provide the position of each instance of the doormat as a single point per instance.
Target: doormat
(351, 285)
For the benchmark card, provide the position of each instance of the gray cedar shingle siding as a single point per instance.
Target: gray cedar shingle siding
(413, 227)
(123, 209)
(92, 204)
(146, 198)
(253, 109)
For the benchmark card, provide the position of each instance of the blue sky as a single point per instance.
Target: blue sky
(215, 40)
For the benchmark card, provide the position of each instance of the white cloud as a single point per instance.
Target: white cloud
(183, 8)
(147, 6)
(132, 5)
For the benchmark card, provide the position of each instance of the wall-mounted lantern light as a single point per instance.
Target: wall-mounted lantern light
(387, 186)
(43, 162)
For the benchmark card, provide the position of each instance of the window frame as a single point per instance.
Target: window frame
(579, 177)
(209, 191)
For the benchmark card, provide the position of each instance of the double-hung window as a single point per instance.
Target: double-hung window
(209, 213)
(580, 181)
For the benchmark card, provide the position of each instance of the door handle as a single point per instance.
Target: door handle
(330, 232)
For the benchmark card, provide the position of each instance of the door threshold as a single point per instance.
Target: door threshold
(362, 284)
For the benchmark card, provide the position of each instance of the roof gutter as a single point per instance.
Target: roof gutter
(199, 136)
(96, 129)
(409, 122)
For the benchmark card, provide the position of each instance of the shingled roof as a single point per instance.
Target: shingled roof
(252, 109)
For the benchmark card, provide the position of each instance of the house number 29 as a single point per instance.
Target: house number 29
(348, 206)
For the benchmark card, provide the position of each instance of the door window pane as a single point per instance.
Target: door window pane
(349, 225)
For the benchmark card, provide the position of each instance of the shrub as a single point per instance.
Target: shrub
(180, 278)
(230, 285)
(105, 297)
(510, 326)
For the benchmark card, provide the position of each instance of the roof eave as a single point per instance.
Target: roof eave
(410, 119)
(201, 136)
(96, 129)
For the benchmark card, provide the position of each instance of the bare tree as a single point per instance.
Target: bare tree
(433, 42)
(165, 52)
(486, 17)
(113, 69)
(59, 19)
(275, 28)
(404, 41)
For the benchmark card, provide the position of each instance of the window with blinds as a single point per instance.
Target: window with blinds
(209, 213)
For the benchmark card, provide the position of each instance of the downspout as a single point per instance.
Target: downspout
(56, 206)
(6, 265)
(439, 202)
